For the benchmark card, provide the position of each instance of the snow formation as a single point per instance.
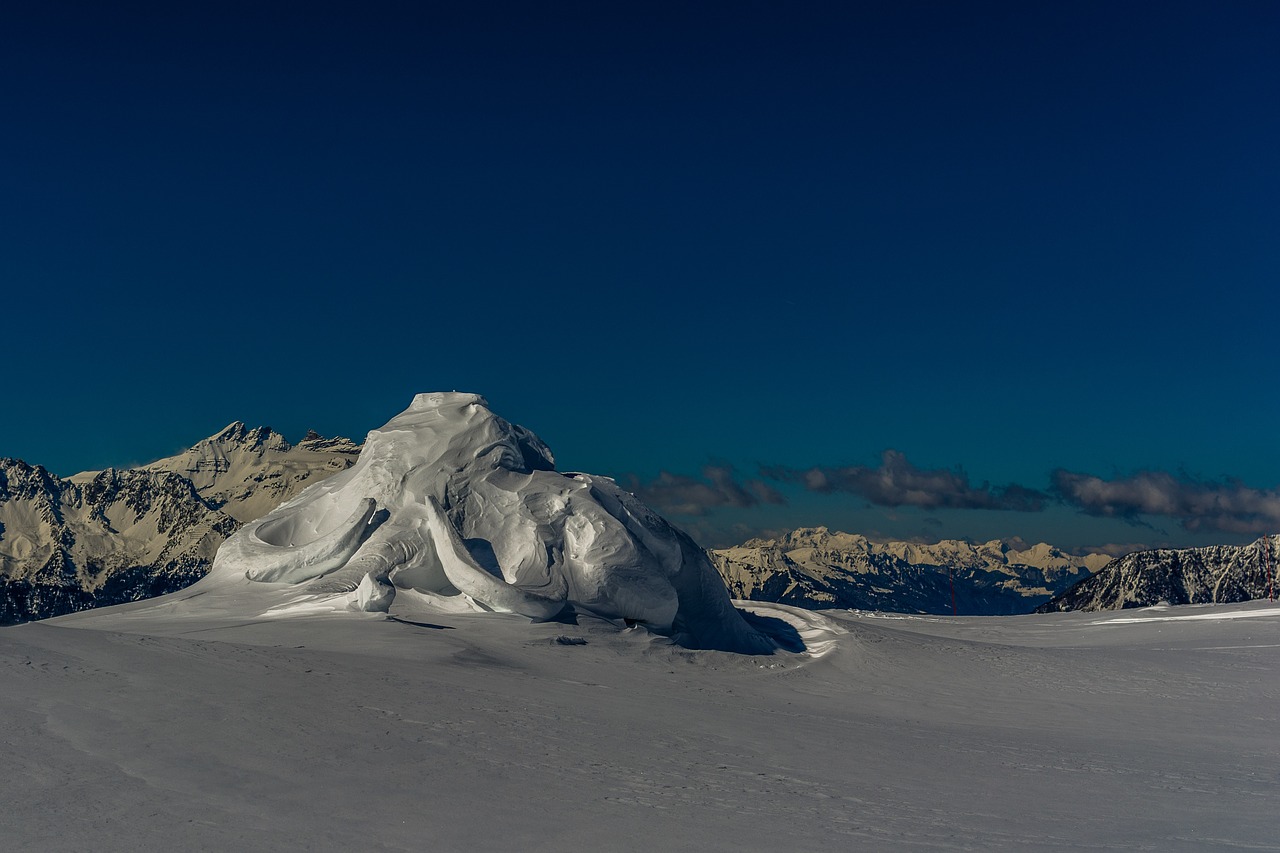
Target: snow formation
(454, 503)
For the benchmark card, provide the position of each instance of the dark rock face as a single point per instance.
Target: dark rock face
(114, 536)
(25, 600)
(1213, 575)
(120, 536)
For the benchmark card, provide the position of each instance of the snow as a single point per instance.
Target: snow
(172, 724)
(1214, 613)
(450, 500)
(246, 473)
(368, 693)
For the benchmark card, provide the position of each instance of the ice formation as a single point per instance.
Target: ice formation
(450, 500)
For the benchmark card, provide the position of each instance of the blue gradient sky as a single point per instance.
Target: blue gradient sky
(1007, 238)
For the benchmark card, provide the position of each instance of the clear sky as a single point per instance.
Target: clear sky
(917, 270)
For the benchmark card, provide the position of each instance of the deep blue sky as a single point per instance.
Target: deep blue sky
(1002, 239)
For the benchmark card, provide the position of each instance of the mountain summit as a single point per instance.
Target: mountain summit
(248, 472)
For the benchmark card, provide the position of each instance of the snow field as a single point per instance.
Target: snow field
(191, 724)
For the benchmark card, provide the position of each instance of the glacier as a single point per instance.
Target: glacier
(455, 505)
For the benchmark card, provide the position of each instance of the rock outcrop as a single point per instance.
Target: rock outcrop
(1213, 575)
(120, 535)
(108, 537)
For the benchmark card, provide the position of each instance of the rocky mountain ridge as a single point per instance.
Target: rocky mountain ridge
(119, 536)
(1216, 574)
(247, 472)
(819, 568)
(106, 537)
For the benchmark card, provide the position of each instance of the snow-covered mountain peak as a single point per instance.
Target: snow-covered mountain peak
(338, 444)
(16, 474)
(115, 535)
(236, 433)
(818, 538)
(233, 431)
(247, 472)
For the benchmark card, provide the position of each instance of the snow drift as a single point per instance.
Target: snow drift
(458, 505)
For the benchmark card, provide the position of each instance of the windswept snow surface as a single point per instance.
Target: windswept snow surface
(196, 722)
(449, 500)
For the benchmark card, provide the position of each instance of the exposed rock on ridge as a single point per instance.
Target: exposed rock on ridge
(818, 568)
(119, 536)
(246, 472)
(107, 537)
(1216, 574)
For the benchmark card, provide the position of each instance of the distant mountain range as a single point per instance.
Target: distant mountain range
(1213, 575)
(815, 567)
(106, 537)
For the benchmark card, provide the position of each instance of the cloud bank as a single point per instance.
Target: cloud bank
(719, 487)
(1197, 505)
(897, 482)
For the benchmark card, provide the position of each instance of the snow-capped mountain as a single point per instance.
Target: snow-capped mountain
(1211, 575)
(246, 473)
(818, 568)
(105, 537)
(119, 535)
